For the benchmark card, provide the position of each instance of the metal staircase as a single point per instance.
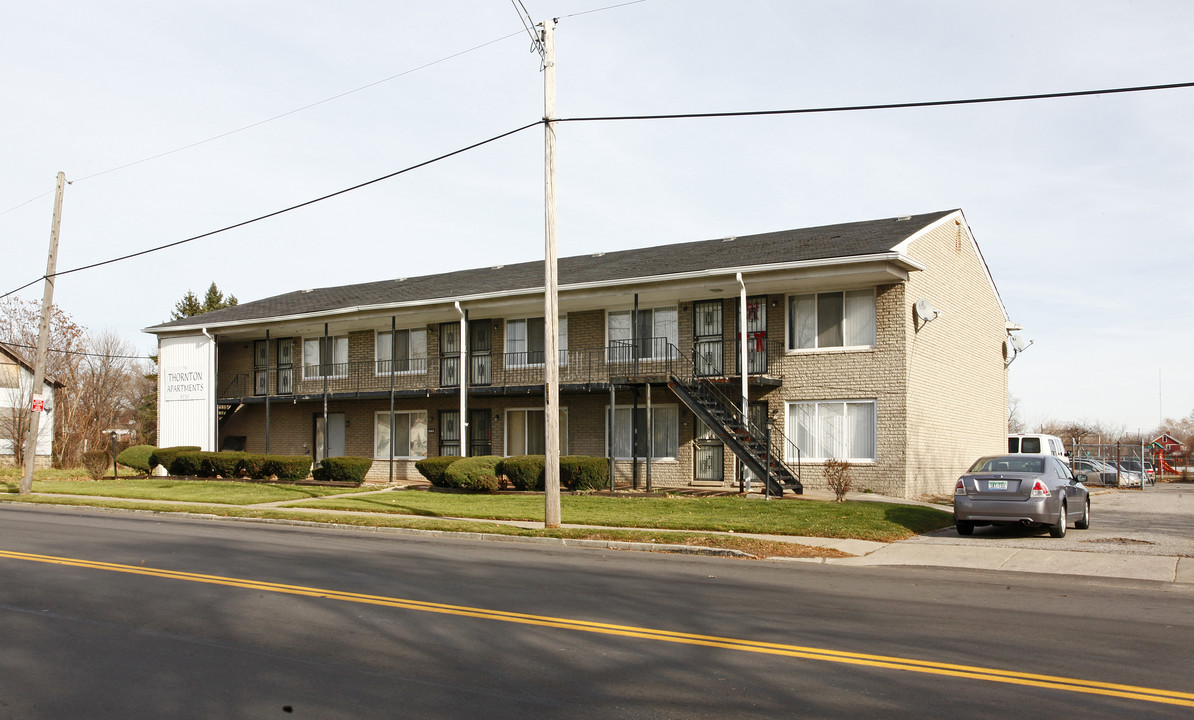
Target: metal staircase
(745, 440)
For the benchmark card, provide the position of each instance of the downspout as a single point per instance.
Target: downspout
(464, 373)
(742, 356)
(267, 359)
(215, 391)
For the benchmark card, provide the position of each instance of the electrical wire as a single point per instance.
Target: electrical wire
(258, 123)
(275, 213)
(77, 352)
(884, 106)
(670, 116)
(607, 7)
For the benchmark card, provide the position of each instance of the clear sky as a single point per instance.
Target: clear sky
(1082, 206)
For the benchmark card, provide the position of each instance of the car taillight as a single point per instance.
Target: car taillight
(960, 488)
(1039, 490)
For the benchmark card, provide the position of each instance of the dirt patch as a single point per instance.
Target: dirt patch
(1120, 541)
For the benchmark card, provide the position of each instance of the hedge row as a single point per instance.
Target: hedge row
(524, 472)
(239, 464)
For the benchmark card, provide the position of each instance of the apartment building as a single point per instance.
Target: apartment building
(882, 342)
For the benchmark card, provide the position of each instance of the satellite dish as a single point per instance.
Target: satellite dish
(924, 309)
(1017, 342)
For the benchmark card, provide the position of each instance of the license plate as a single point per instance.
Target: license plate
(997, 484)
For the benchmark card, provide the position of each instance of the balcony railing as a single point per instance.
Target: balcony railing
(584, 366)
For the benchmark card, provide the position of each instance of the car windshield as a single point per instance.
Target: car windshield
(1009, 464)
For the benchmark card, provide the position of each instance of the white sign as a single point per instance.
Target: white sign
(184, 383)
(39, 403)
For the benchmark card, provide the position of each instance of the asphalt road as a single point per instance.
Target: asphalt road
(109, 615)
(1158, 520)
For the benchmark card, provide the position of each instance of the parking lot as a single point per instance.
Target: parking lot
(1158, 520)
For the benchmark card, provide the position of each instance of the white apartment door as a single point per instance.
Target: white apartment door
(335, 436)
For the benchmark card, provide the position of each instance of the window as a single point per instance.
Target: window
(835, 319)
(658, 333)
(664, 429)
(409, 433)
(525, 341)
(408, 349)
(831, 429)
(10, 375)
(526, 432)
(325, 357)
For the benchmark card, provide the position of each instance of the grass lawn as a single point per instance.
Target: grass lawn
(859, 520)
(206, 491)
(750, 546)
(411, 508)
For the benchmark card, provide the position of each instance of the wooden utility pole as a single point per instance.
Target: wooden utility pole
(43, 341)
(551, 312)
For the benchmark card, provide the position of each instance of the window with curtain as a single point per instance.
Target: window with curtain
(526, 432)
(663, 427)
(403, 351)
(325, 357)
(834, 319)
(525, 341)
(845, 430)
(409, 433)
(658, 331)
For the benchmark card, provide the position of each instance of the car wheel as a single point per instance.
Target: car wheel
(1084, 523)
(1058, 530)
(964, 527)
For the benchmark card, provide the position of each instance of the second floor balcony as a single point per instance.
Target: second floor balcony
(579, 368)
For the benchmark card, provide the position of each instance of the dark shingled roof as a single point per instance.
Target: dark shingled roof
(806, 244)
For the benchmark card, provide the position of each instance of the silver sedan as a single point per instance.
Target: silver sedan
(1033, 491)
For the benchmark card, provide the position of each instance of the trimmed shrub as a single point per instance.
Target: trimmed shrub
(838, 477)
(474, 473)
(433, 469)
(251, 464)
(287, 467)
(526, 472)
(225, 464)
(581, 472)
(96, 463)
(137, 457)
(165, 456)
(186, 463)
(343, 469)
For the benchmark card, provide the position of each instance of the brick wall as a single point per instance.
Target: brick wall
(957, 405)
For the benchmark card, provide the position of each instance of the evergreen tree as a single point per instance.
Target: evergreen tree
(190, 306)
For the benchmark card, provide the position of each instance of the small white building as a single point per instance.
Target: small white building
(16, 398)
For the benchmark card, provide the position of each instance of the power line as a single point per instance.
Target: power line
(884, 106)
(601, 9)
(77, 352)
(258, 123)
(277, 212)
(670, 116)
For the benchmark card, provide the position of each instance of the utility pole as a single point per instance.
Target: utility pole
(551, 312)
(37, 405)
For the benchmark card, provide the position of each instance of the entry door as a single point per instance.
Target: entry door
(756, 334)
(707, 337)
(335, 436)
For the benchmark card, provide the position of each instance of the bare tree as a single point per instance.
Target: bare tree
(19, 321)
(110, 386)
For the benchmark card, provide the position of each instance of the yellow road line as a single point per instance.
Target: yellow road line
(1093, 687)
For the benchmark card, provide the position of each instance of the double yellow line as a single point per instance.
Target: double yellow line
(1131, 692)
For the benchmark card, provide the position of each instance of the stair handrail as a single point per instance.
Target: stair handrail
(695, 379)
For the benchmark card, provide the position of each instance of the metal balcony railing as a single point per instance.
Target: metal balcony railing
(645, 357)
